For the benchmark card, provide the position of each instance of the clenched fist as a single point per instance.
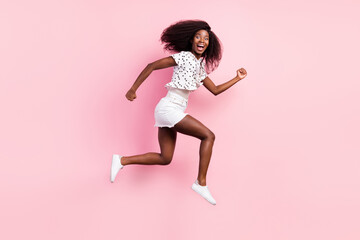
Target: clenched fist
(131, 95)
(241, 73)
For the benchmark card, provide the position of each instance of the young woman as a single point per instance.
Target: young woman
(198, 52)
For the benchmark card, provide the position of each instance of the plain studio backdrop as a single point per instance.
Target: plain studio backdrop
(285, 164)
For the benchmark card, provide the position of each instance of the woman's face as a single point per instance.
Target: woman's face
(200, 42)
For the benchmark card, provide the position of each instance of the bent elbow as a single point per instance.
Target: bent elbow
(150, 66)
(216, 92)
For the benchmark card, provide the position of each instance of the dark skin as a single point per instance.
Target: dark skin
(188, 125)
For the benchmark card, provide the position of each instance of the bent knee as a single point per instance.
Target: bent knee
(210, 136)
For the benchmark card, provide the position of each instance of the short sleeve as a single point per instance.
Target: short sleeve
(179, 58)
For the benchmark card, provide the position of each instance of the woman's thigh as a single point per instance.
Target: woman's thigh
(193, 127)
(167, 141)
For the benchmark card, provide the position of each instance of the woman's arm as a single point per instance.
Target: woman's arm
(217, 89)
(159, 64)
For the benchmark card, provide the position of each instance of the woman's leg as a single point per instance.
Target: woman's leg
(167, 140)
(190, 126)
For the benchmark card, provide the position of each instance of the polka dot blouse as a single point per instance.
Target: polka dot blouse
(188, 73)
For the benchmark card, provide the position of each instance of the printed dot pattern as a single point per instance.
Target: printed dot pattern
(188, 73)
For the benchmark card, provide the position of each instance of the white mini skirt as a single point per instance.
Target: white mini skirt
(171, 109)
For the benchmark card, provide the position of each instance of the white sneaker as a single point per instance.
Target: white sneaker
(203, 191)
(115, 167)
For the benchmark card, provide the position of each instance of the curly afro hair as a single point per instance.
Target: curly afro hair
(177, 38)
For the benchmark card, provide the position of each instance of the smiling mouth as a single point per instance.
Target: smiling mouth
(200, 47)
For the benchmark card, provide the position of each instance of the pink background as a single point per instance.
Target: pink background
(285, 163)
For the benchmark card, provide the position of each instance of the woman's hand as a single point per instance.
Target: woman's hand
(241, 73)
(131, 95)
